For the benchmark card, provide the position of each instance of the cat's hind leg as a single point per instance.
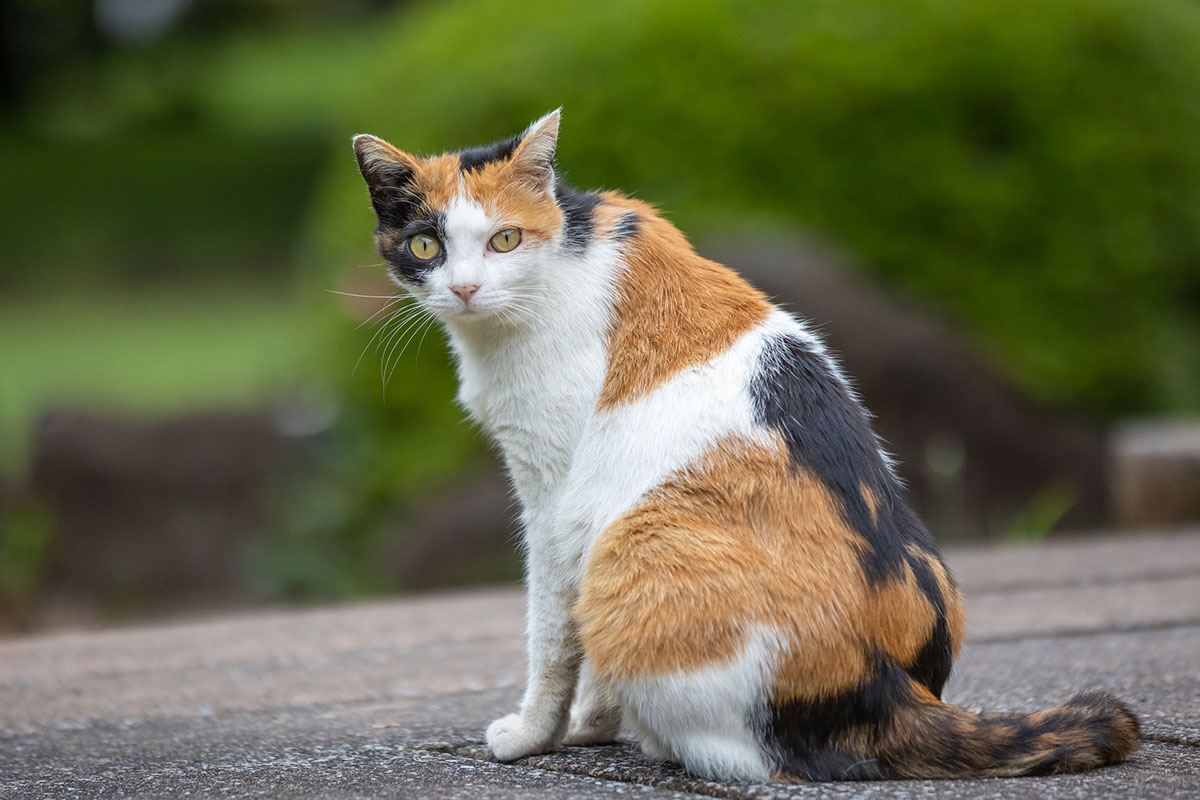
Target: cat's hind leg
(681, 652)
(677, 611)
(595, 714)
(652, 746)
(709, 719)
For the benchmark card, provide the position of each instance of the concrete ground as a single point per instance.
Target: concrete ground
(391, 699)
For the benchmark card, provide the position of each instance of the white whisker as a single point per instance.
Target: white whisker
(423, 335)
(402, 316)
(425, 326)
(382, 309)
(381, 329)
(385, 371)
(396, 320)
(365, 296)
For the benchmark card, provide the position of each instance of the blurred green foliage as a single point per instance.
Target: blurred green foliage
(179, 205)
(190, 158)
(25, 536)
(1031, 169)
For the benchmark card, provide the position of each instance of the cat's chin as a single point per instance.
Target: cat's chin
(473, 317)
(486, 316)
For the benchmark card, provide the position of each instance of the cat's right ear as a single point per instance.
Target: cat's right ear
(533, 159)
(387, 171)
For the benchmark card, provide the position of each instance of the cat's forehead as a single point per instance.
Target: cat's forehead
(484, 177)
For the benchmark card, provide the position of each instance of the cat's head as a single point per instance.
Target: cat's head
(472, 234)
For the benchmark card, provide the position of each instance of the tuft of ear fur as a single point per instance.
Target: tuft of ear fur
(533, 159)
(387, 171)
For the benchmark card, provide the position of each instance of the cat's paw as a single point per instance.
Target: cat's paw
(509, 739)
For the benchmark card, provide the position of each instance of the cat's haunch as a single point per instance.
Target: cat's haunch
(720, 559)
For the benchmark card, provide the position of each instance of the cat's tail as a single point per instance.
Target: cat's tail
(926, 738)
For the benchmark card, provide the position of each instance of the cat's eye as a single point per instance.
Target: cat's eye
(506, 240)
(424, 246)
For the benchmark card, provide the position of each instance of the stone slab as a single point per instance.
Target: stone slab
(1137, 605)
(1078, 560)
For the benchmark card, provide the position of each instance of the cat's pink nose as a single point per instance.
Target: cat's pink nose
(465, 290)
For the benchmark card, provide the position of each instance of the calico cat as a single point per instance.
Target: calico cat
(719, 556)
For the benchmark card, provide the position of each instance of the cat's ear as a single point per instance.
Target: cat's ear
(387, 170)
(533, 159)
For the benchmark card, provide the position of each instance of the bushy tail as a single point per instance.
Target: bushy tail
(926, 738)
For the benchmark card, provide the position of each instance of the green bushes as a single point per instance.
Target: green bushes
(188, 159)
(162, 205)
(1030, 169)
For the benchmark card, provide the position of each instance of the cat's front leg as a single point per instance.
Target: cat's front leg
(553, 656)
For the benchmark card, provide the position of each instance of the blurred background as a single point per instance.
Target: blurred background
(991, 210)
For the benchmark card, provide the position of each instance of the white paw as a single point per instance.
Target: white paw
(509, 739)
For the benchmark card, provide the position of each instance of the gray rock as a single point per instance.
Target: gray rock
(1156, 471)
(151, 512)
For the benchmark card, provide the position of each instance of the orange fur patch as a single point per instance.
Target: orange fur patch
(674, 310)
(436, 181)
(514, 203)
(743, 539)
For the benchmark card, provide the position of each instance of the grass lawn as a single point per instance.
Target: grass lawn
(142, 351)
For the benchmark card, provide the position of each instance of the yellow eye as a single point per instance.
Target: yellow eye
(506, 240)
(424, 246)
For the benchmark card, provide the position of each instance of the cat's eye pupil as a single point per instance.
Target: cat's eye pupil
(424, 246)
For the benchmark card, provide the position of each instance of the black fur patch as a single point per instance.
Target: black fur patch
(390, 196)
(479, 157)
(627, 226)
(402, 262)
(802, 734)
(931, 668)
(578, 218)
(828, 433)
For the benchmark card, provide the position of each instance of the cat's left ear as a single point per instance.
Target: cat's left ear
(534, 157)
